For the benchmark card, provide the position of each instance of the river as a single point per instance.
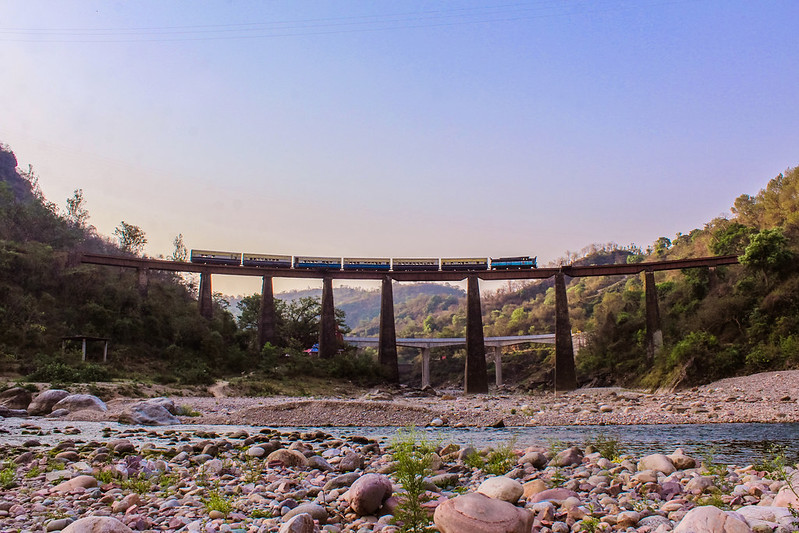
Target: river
(738, 444)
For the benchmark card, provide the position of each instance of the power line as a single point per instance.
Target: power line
(323, 26)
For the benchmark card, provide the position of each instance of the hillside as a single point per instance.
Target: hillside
(716, 323)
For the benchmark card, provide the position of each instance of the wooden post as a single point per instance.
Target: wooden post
(475, 378)
(105, 351)
(267, 318)
(328, 346)
(387, 350)
(84, 349)
(565, 376)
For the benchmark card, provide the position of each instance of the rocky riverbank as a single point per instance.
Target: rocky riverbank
(167, 479)
(766, 397)
(308, 482)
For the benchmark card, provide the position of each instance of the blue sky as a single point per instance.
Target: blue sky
(401, 128)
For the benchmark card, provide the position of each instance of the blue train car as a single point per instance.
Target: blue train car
(523, 262)
(320, 263)
(351, 263)
(208, 257)
(266, 261)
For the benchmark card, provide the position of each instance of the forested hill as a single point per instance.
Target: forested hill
(362, 306)
(45, 296)
(716, 323)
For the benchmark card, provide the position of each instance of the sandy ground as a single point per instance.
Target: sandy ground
(765, 397)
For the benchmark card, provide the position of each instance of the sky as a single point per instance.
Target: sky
(400, 129)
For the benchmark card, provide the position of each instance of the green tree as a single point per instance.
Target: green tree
(131, 238)
(180, 252)
(77, 214)
(768, 253)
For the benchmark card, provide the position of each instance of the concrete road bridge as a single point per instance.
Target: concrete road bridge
(494, 343)
(475, 372)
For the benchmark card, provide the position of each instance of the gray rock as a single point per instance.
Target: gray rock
(344, 480)
(148, 414)
(319, 463)
(351, 461)
(502, 488)
(657, 462)
(316, 511)
(301, 523)
(79, 402)
(368, 493)
(536, 459)
(15, 398)
(569, 457)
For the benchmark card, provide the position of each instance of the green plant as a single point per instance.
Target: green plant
(609, 447)
(589, 524)
(261, 513)
(412, 456)
(105, 476)
(186, 410)
(474, 460)
(33, 472)
(500, 461)
(8, 477)
(216, 501)
(557, 478)
(138, 484)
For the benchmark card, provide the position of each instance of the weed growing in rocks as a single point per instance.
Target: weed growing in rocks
(8, 477)
(609, 447)
(412, 456)
(216, 501)
(500, 461)
(186, 410)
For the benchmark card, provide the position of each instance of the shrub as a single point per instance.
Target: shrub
(413, 456)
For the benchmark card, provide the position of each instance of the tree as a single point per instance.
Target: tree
(768, 252)
(131, 238)
(180, 253)
(77, 214)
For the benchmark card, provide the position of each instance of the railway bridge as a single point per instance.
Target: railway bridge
(475, 373)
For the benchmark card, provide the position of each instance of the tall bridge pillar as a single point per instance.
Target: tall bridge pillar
(206, 303)
(654, 333)
(144, 274)
(328, 344)
(425, 367)
(565, 377)
(497, 352)
(475, 379)
(266, 317)
(387, 350)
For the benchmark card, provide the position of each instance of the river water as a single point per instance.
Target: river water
(738, 444)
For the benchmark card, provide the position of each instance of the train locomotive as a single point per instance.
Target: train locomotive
(360, 263)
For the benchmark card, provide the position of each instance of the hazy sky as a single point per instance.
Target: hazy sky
(401, 128)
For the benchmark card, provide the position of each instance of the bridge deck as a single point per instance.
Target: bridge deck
(536, 273)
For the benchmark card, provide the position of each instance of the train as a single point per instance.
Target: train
(384, 264)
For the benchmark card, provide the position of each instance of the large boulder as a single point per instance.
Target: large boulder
(477, 513)
(78, 482)
(288, 457)
(97, 524)
(710, 519)
(657, 462)
(568, 457)
(44, 402)
(502, 488)
(787, 496)
(149, 414)
(15, 398)
(368, 492)
(301, 523)
(79, 402)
